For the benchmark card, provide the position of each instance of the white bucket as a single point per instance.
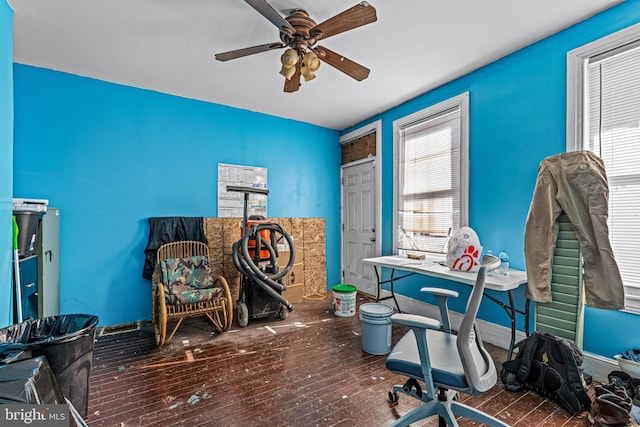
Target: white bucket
(344, 300)
(376, 328)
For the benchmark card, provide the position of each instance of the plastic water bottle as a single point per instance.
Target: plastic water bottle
(504, 263)
(490, 272)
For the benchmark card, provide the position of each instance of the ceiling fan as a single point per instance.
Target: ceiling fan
(299, 34)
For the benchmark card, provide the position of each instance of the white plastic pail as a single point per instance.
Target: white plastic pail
(376, 328)
(344, 300)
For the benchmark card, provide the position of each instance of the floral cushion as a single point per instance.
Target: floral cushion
(188, 280)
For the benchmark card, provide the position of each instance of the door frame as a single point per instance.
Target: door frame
(372, 127)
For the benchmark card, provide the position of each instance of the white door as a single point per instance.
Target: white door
(359, 224)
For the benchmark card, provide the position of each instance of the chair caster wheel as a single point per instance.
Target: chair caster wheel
(393, 397)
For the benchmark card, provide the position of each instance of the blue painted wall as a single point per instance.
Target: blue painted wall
(517, 118)
(6, 163)
(111, 156)
(103, 153)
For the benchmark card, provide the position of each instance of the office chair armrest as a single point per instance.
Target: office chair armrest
(415, 321)
(440, 292)
(441, 296)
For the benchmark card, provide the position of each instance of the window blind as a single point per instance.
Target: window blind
(613, 133)
(429, 181)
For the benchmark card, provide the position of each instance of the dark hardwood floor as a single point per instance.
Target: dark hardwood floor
(307, 370)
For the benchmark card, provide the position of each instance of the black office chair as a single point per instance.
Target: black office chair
(445, 363)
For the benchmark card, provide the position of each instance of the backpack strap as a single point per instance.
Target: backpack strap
(527, 357)
(573, 374)
(511, 368)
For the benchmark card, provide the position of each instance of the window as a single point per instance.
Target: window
(604, 117)
(430, 176)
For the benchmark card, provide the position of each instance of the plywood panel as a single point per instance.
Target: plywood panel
(231, 233)
(297, 231)
(216, 269)
(315, 282)
(316, 264)
(358, 149)
(314, 230)
(314, 250)
(213, 232)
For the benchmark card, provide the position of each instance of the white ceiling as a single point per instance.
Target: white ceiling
(169, 45)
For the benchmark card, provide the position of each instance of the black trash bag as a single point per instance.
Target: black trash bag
(34, 333)
(29, 381)
(67, 343)
(11, 355)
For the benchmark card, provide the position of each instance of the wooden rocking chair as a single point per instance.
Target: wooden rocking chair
(183, 287)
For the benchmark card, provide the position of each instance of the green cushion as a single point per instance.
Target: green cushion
(188, 280)
(191, 296)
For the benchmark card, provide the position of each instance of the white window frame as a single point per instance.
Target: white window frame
(462, 102)
(577, 77)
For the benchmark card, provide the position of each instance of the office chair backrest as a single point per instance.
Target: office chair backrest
(479, 368)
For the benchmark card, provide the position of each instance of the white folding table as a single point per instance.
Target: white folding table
(433, 266)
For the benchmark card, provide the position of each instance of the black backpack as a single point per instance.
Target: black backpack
(550, 366)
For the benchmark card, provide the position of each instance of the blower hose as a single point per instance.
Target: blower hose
(244, 262)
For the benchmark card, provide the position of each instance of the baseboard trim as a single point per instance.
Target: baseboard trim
(119, 328)
(598, 367)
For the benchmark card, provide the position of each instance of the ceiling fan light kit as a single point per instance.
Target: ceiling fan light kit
(289, 59)
(310, 65)
(299, 33)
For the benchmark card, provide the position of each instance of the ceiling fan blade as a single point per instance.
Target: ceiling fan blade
(266, 10)
(360, 14)
(293, 84)
(239, 53)
(347, 66)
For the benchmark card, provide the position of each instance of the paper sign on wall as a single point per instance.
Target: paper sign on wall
(231, 204)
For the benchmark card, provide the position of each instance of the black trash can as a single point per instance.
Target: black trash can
(67, 343)
(28, 224)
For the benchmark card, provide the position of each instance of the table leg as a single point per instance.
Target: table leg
(526, 317)
(512, 312)
(375, 268)
(512, 315)
(379, 287)
(393, 294)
